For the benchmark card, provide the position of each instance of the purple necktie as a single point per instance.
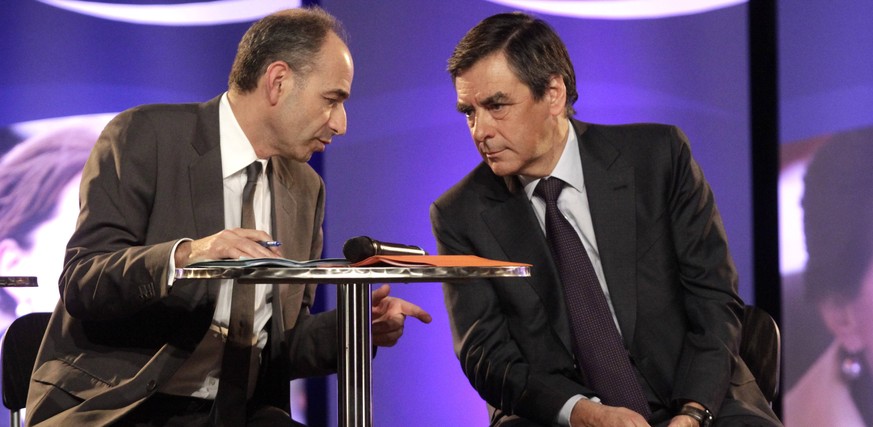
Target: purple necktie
(603, 360)
(229, 408)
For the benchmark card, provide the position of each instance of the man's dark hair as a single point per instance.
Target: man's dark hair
(533, 50)
(294, 36)
(838, 216)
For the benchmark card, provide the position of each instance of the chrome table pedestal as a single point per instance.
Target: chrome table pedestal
(354, 301)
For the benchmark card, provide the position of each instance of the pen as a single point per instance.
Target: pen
(270, 243)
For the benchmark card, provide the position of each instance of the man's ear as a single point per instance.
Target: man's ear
(278, 79)
(556, 94)
(10, 254)
(839, 317)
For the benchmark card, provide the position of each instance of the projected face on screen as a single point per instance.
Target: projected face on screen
(834, 280)
(39, 185)
(42, 253)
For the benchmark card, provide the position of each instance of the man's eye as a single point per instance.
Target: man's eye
(496, 107)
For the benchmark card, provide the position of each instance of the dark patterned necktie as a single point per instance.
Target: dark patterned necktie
(229, 407)
(604, 361)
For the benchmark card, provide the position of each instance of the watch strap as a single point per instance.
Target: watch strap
(703, 416)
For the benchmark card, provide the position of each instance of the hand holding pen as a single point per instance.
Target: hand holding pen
(228, 244)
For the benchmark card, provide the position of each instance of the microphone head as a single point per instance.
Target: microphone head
(359, 248)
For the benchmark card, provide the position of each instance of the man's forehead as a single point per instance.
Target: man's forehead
(334, 69)
(335, 56)
(488, 91)
(488, 81)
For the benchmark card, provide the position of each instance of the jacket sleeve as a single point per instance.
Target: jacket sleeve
(110, 271)
(490, 356)
(708, 278)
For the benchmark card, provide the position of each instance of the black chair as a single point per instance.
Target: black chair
(18, 351)
(760, 348)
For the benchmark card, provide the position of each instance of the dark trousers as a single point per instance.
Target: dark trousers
(662, 420)
(164, 410)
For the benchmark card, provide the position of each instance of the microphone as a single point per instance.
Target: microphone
(362, 247)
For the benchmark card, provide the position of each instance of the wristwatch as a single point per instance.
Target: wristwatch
(703, 416)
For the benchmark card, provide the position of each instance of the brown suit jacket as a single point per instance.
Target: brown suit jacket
(665, 257)
(119, 332)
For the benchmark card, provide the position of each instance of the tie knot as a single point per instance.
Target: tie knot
(253, 171)
(549, 189)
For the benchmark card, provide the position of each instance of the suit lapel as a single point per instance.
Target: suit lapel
(609, 184)
(204, 175)
(284, 202)
(513, 224)
(284, 220)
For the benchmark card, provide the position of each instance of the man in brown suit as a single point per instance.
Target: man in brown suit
(126, 344)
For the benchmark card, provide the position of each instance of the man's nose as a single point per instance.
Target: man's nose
(337, 121)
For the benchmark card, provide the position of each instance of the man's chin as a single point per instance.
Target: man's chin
(501, 169)
(299, 157)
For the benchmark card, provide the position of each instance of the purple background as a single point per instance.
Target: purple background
(406, 144)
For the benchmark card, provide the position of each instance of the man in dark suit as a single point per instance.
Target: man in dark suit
(162, 189)
(646, 224)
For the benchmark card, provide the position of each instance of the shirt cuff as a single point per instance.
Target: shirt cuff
(171, 275)
(567, 409)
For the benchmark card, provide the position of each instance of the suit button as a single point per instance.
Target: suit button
(151, 385)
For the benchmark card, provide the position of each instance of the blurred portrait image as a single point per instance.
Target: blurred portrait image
(39, 187)
(828, 287)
